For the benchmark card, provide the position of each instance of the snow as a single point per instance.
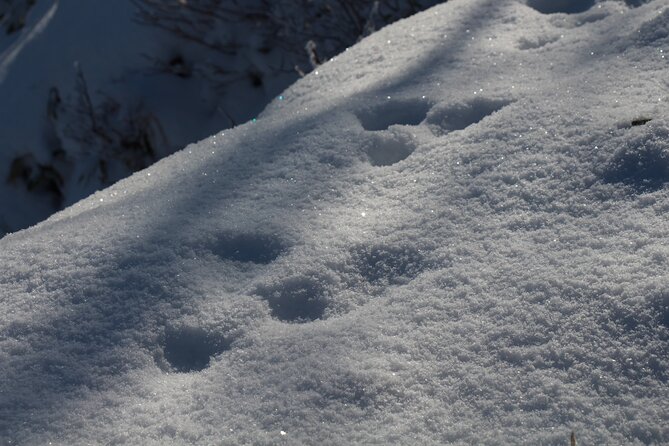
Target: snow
(454, 232)
(102, 42)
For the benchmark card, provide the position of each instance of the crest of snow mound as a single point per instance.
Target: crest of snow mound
(444, 235)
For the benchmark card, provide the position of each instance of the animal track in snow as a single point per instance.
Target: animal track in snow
(635, 3)
(189, 349)
(255, 248)
(640, 121)
(390, 147)
(390, 141)
(563, 6)
(387, 265)
(391, 112)
(445, 119)
(297, 299)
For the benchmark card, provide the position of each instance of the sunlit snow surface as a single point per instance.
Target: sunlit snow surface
(455, 232)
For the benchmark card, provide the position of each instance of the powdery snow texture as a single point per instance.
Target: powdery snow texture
(453, 233)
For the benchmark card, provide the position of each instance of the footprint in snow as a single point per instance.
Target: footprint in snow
(444, 119)
(190, 349)
(389, 141)
(298, 299)
(249, 247)
(560, 6)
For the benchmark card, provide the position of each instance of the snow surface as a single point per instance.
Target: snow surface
(453, 233)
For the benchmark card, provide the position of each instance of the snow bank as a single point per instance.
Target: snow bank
(452, 233)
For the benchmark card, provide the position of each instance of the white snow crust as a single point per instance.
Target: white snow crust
(453, 233)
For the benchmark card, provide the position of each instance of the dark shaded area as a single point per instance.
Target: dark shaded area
(640, 121)
(394, 113)
(644, 168)
(635, 3)
(178, 66)
(298, 299)
(45, 179)
(446, 119)
(189, 349)
(564, 6)
(256, 248)
(387, 265)
(309, 31)
(13, 14)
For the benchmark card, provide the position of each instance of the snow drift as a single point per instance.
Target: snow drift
(454, 232)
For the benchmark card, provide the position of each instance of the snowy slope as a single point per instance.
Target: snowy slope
(92, 90)
(453, 233)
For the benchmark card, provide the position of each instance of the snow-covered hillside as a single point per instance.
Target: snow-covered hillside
(453, 233)
(94, 90)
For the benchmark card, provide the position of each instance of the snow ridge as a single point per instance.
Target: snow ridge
(453, 233)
